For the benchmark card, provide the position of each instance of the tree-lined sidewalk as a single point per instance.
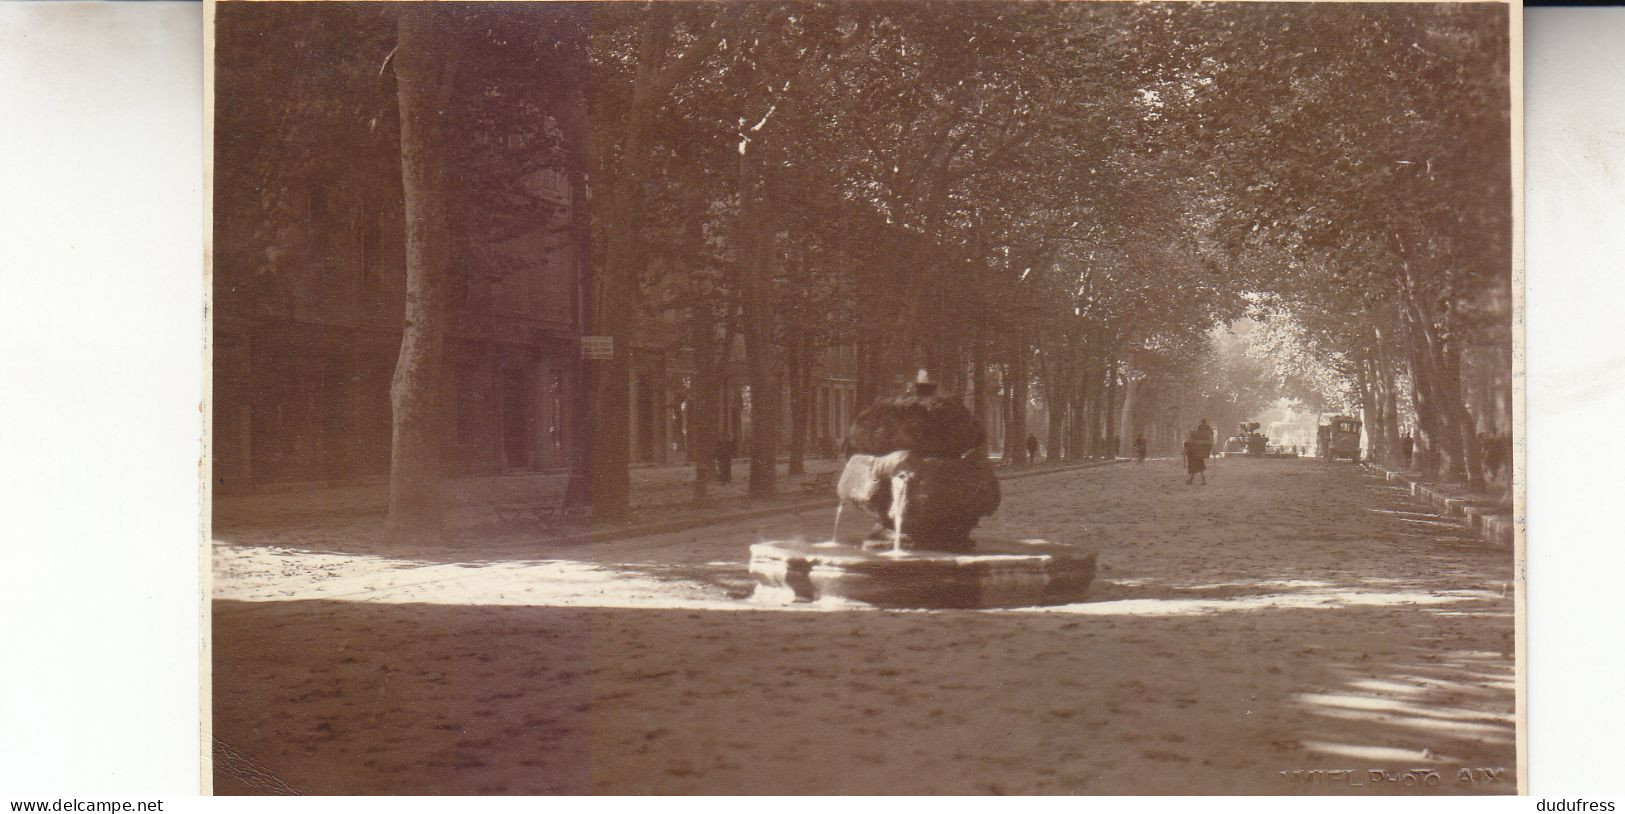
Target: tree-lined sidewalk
(661, 497)
(1050, 207)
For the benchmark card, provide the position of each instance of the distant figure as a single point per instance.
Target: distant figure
(1256, 444)
(1204, 434)
(1198, 448)
(725, 459)
(1497, 449)
(1032, 448)
(1139, 449)
(1195, 458)
(1407, 447)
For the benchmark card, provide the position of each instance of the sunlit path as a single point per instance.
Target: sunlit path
(1290, 615)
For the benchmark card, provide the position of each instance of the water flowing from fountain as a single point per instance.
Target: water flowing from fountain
(899, 509)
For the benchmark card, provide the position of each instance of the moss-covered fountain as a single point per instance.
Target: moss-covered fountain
(918, 465)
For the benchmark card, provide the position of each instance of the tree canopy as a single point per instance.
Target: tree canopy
(1052, 206)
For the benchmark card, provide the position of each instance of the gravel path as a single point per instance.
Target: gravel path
(1290, 616)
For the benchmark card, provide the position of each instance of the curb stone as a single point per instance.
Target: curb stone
(1490, 518)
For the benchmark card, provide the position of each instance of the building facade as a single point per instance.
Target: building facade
(662, 410)
(305, 349)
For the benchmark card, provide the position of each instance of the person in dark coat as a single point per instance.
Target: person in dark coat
(1203, 434)
(1195, 459)
(1139, 449)
(1032, 448)
(1198, 448)
(1407, 447)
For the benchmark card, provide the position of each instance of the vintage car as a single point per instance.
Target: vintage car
(1247, 440)
(1340, 438)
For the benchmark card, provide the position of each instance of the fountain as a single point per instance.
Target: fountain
(919, 466)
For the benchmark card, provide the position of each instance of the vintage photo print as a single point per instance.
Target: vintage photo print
(897, 397)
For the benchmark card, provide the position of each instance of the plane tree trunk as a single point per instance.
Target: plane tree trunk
(423, 74)
(616, 271)
(800, 370)
(754, 270)
(1390, 400)
(704, 401)
(1126, 418)
(1015, 431)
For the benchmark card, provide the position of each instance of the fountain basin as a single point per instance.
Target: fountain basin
(1003, 574)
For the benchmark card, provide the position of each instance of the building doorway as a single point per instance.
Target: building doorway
(335, 432)
(375, 419)
(518, 420)
(647, 416)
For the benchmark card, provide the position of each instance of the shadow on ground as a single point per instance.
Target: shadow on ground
(342, 698)
(1290, 628)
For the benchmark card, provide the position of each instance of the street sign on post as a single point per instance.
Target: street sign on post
(597, 347)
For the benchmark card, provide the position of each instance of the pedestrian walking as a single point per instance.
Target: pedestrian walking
(1198, 448)
(725, 459)
(1407, 446)
(1139, 449)
(1195, 460)
(1032, 448)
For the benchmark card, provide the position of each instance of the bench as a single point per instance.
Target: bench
(551, 505)
(821, 482)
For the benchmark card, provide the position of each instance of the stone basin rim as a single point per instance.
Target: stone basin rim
(1034, 574)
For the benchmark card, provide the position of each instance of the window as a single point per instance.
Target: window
(553, 185)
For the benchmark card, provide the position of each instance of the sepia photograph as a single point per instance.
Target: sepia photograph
(854, 397)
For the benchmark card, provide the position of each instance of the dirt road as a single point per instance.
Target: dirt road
(1288, 628)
